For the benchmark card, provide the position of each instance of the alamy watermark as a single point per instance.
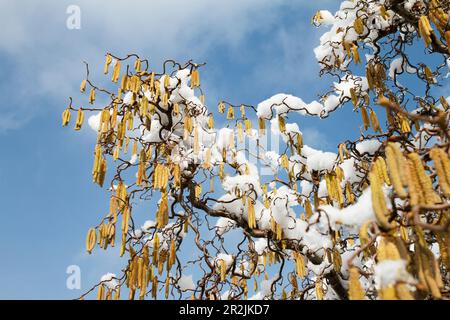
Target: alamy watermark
(73, 21)
(73, 281)
(262, 149)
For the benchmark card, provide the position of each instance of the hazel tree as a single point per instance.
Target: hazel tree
(195, 218)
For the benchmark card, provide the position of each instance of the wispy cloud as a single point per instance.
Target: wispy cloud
(315, 138)
(44, 58)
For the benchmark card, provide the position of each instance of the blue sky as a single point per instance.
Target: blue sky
(253, 49)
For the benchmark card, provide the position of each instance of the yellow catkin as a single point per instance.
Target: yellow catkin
(83, 85)
(137, 64)
(414, 189)
(134, 150)
(124, 83)
(404, 124)
(163, 211)
(172, 253)
(443, 240)
(65, 117)
(341, 152)
(382, 170)
(104, 120)
(388, 293)
(116, 72)
(426, 186)
(262, 125)
(334, 188)
(222, 170)
(154, 287)
(176, 173)
(155, 255)
(395, 164)
(198, 190)
(337, 260)
(99, 167)
(284, 161)
(251, 214)
(355, 54)
(374, 121)
(108, 61)
(160, 177)
(428, 74)
(91, 239)
(130, 120)
(390, 117)
(143, 108)
(299, 144)
(445, 163)
(383, 12)
(387, 250)
(354, 97)
(281, 123)
(248, 126)
(378, 201)
(319, 289)
(207, 160)
(428, 270)
(211, 121)
(440, 158)
(116, 152)
(339, 174)
(242, 111)
(404, 233)
(349, 193)
(350, 242)
(308, 208)
(392, 252)
(358, 25)
(355, 290)
(141, 168)
(101, 292)
(195, 78)
(425, 30)
(339, 193)
(223, 269)
(402, 292)
(363, 233)
(176, 109)
(230, 113)
(300, 265)
(365, 118)
(125, 225)
(79, 120)
(279, 232)
(221, 107)
(188, 125)
(92, 96)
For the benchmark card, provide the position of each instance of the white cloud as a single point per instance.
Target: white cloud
(44, 59)
(315, 138)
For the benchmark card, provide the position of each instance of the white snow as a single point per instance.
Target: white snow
(110, 280)
(388, 272)
(318, 160)
(354, 215)
(186, 283)
(224, 225)
(368, 146)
